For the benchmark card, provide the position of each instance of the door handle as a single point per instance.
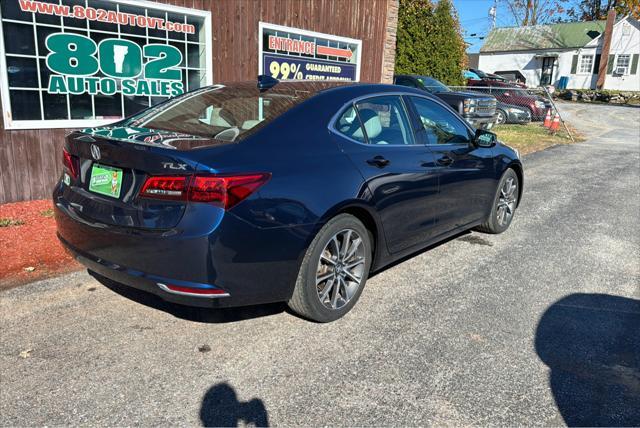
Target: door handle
(444, 161)
(379, 161)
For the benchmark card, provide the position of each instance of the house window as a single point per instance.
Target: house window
(622, 64)
(86, 63)
(586, 64)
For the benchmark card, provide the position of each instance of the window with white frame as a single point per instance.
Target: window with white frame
(77, 63)
(586, 64)
(622, 64)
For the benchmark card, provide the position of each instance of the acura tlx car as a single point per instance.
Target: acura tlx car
(243, 194)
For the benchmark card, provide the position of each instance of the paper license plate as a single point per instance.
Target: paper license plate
(105, 180)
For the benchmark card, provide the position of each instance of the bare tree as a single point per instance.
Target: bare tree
(534, 12)
(592, 10)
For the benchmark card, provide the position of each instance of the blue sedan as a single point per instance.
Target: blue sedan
(250, 193)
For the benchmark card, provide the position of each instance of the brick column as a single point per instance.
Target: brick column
(389, 49)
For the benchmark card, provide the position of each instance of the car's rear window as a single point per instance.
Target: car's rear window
(221, 112)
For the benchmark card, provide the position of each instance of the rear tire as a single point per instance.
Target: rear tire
(334, 270)
(504, 204)
(501, 118)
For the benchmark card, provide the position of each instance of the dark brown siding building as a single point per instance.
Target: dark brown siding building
(46, 91)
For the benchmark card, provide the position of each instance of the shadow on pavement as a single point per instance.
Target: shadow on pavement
(189, 313)
(221, 408)
(591, 344)
(419, 252)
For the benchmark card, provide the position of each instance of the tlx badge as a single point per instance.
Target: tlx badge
(171, 165)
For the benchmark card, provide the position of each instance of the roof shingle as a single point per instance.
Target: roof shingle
(554, 36)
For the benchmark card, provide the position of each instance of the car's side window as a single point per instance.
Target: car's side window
(405, 81)
(349, 125)
(385, 121)
(440, 125)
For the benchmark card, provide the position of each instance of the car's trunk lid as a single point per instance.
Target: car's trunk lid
(113, 164)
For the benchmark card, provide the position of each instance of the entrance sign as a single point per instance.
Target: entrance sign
(86, 64)
(287, 53)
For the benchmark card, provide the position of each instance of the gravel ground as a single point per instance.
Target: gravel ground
(537, 326)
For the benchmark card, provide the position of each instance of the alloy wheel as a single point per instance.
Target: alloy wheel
(507, 201)
(340, 269)
(501, 118)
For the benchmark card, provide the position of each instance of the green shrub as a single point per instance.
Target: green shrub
(8, 222)
(429, 41)
(47, 213)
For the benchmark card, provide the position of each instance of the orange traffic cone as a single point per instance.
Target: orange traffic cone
(547, 119)
(555, 125)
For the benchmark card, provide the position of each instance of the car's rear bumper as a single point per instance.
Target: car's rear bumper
(150, 283)
(249, 264)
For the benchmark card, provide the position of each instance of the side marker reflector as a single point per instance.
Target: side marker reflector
(193, 291)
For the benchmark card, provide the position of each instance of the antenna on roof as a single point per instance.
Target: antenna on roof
(266, 82)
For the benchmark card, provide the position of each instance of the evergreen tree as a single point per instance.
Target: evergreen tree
(450, 44)
(429, 41)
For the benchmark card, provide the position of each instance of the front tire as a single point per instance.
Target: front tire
(334, 270)
(504, 204)
(502, 117)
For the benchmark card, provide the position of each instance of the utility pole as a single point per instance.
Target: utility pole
(493, 12)
(606, 48)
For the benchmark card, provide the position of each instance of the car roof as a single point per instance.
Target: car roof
(496, 83)
(293, 85)
(414, 75)
(311, 88)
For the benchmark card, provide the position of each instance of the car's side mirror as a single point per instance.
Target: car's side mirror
(485, 138)
(507, 94)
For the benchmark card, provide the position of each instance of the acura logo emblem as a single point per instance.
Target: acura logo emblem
(95, 152)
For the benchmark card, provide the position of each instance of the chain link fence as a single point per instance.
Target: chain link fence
(516, 105)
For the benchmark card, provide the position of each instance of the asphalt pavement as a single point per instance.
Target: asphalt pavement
(537, 326)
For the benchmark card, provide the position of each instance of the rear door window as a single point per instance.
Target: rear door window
(349, 125)
(385, 121)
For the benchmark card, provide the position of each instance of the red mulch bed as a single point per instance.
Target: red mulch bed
(31, 245)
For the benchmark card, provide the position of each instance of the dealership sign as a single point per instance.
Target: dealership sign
(68, 64)
(147, 71)
(293, 54)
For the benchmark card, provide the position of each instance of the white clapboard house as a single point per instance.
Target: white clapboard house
(544, 54)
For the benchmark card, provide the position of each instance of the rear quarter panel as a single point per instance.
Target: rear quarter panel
(311, 180)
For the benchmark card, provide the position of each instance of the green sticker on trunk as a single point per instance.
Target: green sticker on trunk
(106, 180)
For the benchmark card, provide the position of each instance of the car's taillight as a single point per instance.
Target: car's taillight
(225, 191)
(70, 162)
